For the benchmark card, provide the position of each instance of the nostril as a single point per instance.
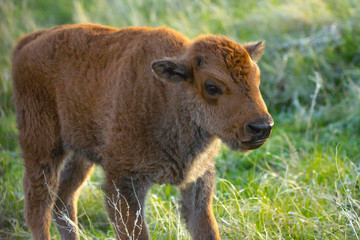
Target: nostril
(259, 130)
(255, 129)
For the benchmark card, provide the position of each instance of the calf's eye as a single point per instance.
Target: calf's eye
(212, 89)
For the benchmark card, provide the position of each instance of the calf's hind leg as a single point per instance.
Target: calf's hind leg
(73, 175)
(43, 152)
(40, 183)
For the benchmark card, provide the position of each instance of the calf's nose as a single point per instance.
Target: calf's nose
(259, 129)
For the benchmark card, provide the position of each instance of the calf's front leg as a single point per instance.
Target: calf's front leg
(126, 203)
(197, 207)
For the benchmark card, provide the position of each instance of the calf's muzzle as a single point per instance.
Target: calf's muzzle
(260, 129)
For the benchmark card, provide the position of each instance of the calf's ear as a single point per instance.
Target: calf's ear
(255, 50)
(170, 70)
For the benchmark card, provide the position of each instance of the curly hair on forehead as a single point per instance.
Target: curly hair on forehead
(236, 58)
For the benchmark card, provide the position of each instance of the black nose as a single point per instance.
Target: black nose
(259, 129)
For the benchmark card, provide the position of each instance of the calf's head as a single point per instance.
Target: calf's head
(219, 83)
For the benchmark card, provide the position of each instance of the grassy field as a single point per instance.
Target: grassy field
(304, 183)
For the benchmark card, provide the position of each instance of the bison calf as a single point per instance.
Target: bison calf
(147, 104)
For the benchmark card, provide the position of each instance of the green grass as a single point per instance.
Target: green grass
(304, 183)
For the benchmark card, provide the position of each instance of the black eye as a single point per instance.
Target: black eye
(212, 89)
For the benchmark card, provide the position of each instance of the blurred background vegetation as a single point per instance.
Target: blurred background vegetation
(303, 184)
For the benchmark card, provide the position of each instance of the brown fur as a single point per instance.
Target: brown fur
(134, 101)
